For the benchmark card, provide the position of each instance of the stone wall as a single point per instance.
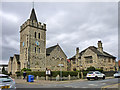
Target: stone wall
(55, 58)
(33, 52)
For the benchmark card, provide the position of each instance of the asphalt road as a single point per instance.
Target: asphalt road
(81, 84)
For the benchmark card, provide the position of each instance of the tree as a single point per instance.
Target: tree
(4, 71)
(91, 68)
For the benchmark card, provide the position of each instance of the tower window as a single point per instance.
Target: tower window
(39, 35)
(27, 43)
(35, 34)
(39, 50)
(35, 49)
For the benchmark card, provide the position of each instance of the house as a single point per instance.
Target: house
(14, 64)
(93, 56)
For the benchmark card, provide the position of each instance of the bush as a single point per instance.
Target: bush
(73, 73)
(64, 73)
(10, 73)
(18, 73)
(53, 73)
(26, 69)
(108, 73)
(36, 73)
(4, 71)
(90, 68)
(94, 69)
(85, 73)
(100, 70)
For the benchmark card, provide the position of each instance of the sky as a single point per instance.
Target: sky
(70, 24)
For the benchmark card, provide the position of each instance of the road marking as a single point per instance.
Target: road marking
(109, 86)
(92, 84)
(103, 83)
(84, 87)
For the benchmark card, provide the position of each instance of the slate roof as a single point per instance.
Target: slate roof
(94, 49)
(33, 15)
(50, 49)
(11, 58)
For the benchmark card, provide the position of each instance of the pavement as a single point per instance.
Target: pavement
(21, 81)
(109, 82)
(112, 86)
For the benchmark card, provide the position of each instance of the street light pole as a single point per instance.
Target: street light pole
(60, 65)
(61, 73)
(81, 72)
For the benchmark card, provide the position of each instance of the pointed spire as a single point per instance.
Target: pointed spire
(33, 15)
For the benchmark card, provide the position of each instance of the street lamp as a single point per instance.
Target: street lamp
(60, 65)
(81, 71)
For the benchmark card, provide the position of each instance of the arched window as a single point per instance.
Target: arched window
(35, 34)
(74, 69)
(62, 59)
(39, 35)
(39, 50)
(35, 49)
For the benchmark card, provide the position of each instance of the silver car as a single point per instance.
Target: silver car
(95, 75)
(117, 75)
(6, 82)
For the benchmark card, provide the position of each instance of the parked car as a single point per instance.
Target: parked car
(6, 82)
(117, 75)
(95, 75)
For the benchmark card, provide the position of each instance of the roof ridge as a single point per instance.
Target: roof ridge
(95, 50)
(52, 46)
(50, 49)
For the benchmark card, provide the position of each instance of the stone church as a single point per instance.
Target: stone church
(33, 52)
(93, 56)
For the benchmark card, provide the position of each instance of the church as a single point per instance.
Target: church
(33, 52)
(35, 56)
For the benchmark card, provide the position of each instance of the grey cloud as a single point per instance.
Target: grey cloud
(69, 24)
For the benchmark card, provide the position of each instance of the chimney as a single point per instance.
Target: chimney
(77, 52)
(100, 48)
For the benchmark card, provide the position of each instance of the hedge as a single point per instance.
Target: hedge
(109, 73)
(64, 73)
(53, 73)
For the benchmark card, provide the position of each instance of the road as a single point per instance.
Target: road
(81, 84)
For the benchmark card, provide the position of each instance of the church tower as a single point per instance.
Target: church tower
(33, 44)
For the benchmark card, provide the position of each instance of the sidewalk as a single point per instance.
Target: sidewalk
(113, 86)
(21, 81)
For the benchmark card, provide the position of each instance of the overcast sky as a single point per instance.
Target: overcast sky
(71, 24)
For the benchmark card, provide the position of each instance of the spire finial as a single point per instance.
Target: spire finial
(33, 4)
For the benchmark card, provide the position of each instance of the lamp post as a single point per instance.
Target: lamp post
(81, 72)
(78, 72)
(60, 65)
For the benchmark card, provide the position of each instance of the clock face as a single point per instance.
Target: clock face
(37, 43)
(23, 44)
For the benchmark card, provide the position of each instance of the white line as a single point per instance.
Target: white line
(92, 84)
(103, 83)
